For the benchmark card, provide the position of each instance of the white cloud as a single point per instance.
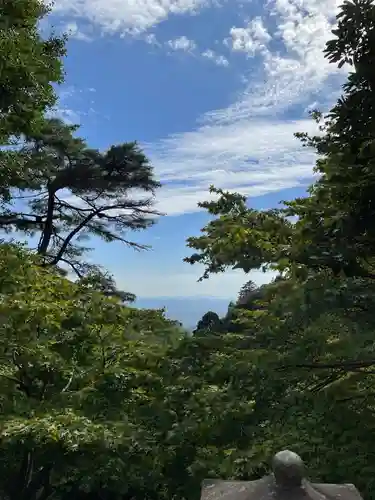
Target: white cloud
(248, 146)
(254, 157)
(182, 43)
(251, 39)
(121, 16)
(218, 59)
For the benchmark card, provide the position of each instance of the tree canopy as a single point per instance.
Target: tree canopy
(75, 370)
(30, 65)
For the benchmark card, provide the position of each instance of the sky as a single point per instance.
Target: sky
(213, 91)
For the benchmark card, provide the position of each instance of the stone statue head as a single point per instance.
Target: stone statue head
(288, 469)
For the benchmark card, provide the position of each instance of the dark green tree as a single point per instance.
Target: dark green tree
(336, 220)
(29, 65)
(247, 290)
(209, 323)
(71, 192)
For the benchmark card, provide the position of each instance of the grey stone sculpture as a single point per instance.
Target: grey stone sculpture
(286, 482)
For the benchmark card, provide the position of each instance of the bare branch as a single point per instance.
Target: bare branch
(69, 382)
(17, 218)
(11, 379)
(36, 195)
(73, 266)
(85, 221)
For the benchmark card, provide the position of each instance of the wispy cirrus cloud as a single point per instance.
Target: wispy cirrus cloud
(254, 157)
(249, 146)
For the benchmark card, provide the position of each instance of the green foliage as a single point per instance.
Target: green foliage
(336, 219)
(312, 328)
(209, 322)
(102, 281)
(29, 66)
(76, 383)
(101, 400)
(240, 238)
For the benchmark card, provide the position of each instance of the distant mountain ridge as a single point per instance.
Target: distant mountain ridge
(187, 310)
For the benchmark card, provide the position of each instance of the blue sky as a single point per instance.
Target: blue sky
(213, 90)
